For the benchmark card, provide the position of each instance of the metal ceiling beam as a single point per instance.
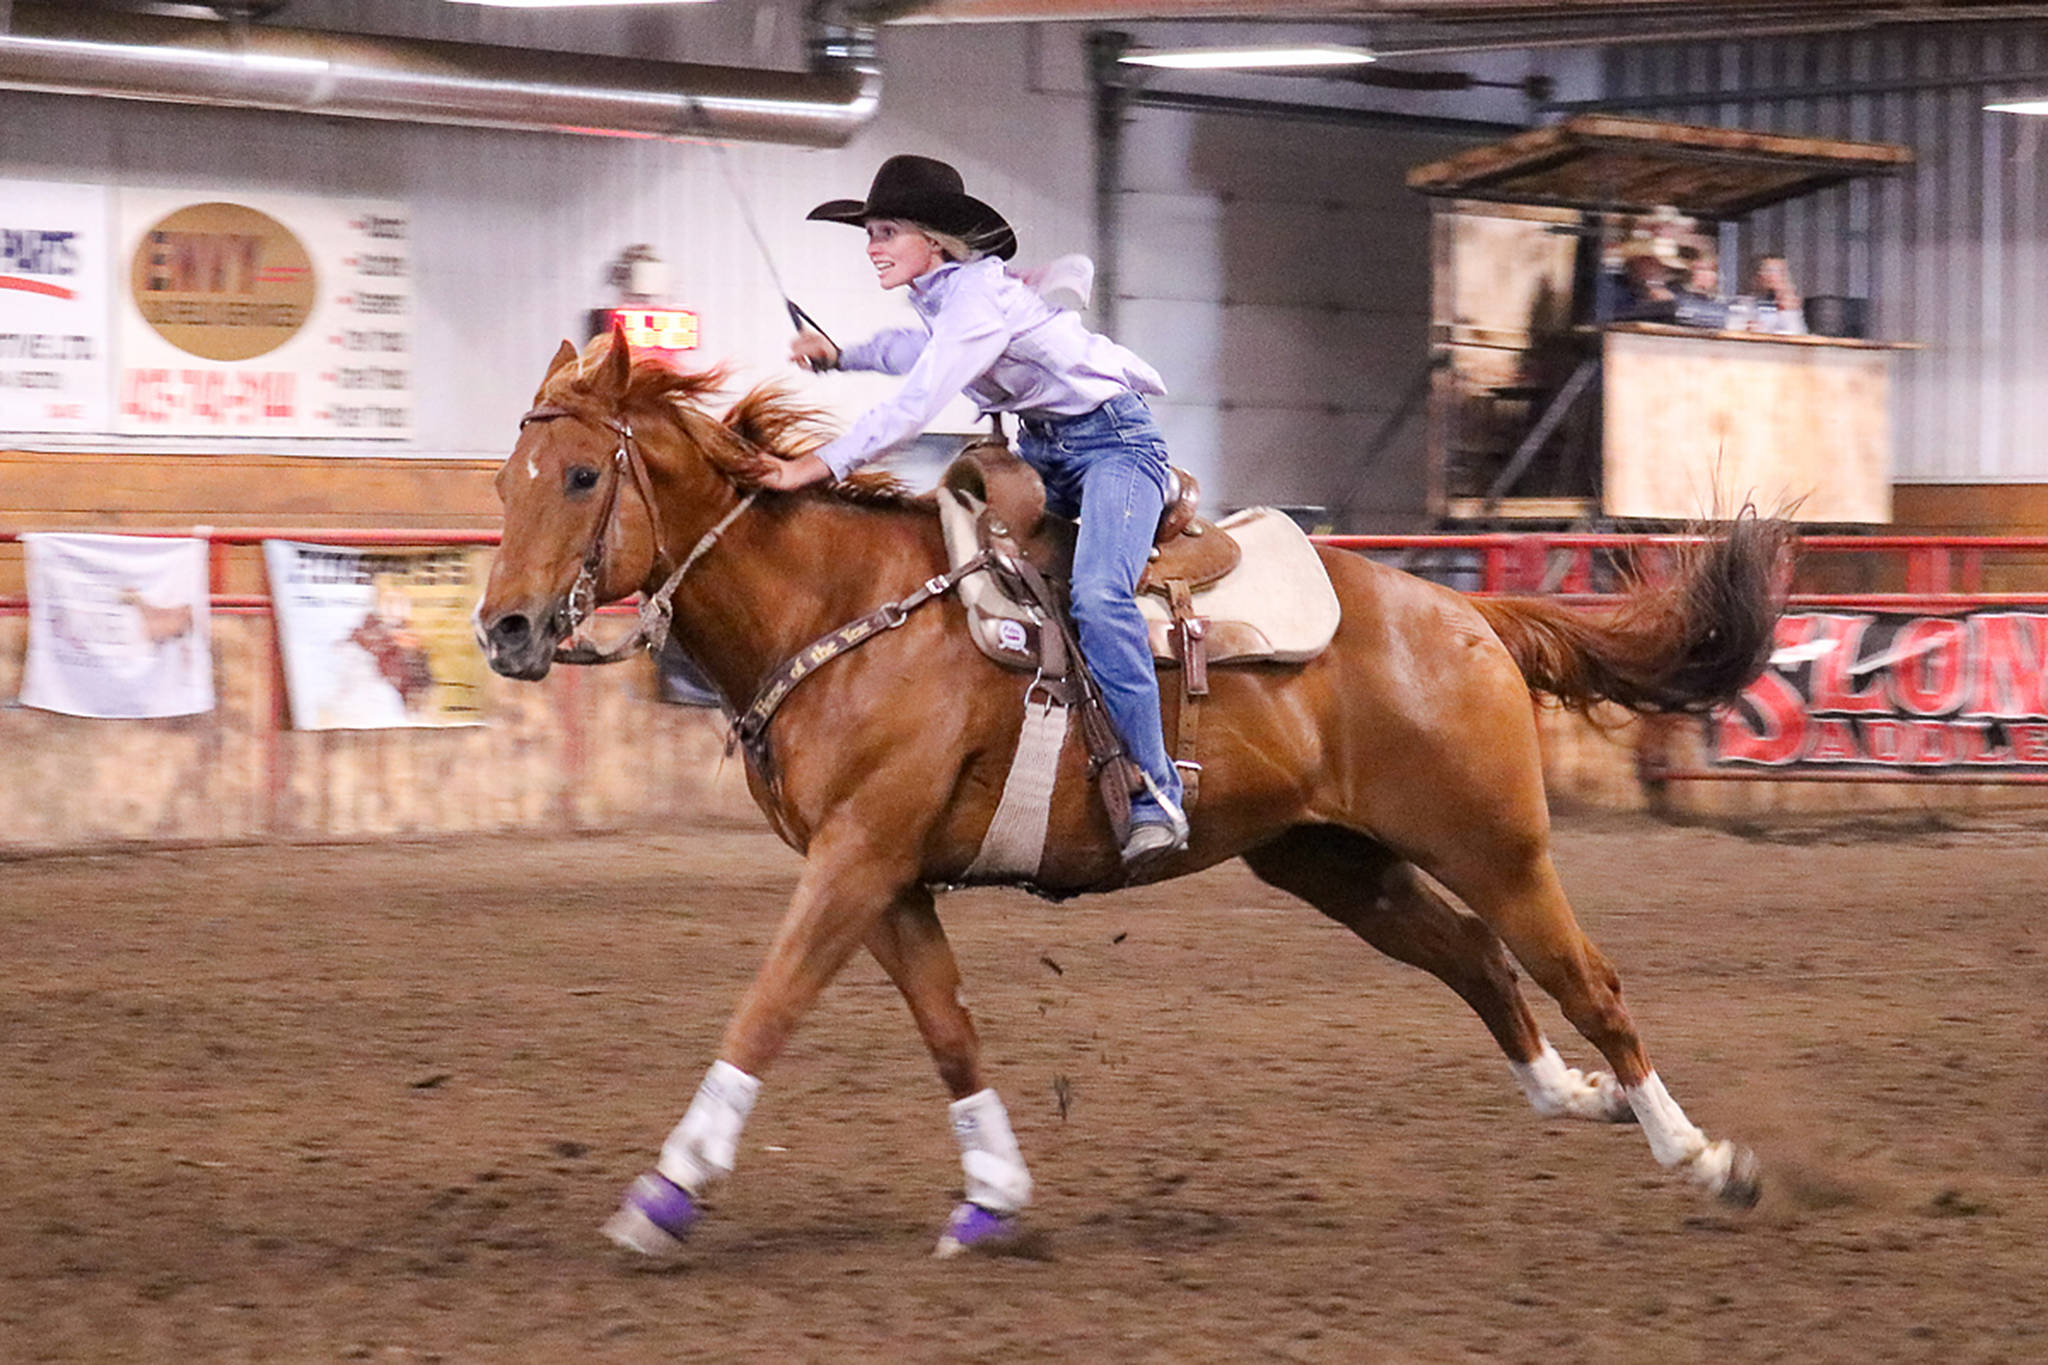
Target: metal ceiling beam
(1584, 22)
(2029, 79)
(70, 49)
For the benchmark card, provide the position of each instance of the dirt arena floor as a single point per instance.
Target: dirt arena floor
(370, 1104)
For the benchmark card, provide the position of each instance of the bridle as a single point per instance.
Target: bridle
(750, 727)
(652, 629)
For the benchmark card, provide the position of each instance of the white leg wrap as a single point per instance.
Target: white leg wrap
(994, 1166)
(1719, 1168)
(1673, 1138)
(1554, 1089)
(703, 1146)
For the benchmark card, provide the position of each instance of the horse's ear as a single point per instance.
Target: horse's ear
(616, 369)
(566, 355)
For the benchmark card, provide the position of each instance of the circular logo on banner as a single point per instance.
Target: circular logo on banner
(222, 281)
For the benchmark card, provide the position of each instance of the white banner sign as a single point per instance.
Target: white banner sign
(117, 626)
(263, 315)
(377, 638)
(54, 248)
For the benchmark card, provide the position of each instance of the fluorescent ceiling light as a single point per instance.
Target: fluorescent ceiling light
(570, 4)
(2019, 107)
(1246, 58)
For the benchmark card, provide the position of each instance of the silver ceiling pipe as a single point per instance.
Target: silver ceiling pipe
(70, 49)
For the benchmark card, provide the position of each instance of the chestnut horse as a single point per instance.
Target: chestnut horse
(1408, 747)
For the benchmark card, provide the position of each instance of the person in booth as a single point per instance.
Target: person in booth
(1780, 309)
(1697, 295)
(1079, 398)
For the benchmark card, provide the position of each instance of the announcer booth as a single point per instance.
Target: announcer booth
(1549, 405)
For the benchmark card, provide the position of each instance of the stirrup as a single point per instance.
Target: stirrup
(1176, 818)
(1151, 840)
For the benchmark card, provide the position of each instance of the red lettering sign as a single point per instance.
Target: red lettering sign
(1883, 689)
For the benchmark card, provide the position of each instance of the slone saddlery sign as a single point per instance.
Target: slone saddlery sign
(1876, 690)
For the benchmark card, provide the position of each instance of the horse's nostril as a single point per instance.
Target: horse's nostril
(511, 629)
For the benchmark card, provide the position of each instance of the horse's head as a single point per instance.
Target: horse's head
(620, 479)
(581, 526)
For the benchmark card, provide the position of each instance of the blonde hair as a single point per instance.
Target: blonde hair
(955, 248)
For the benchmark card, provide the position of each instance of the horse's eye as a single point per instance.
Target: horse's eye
(582, 478)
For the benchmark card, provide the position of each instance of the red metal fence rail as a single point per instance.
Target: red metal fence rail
(1939, 574)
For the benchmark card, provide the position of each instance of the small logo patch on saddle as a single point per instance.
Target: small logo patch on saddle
(1010, 635)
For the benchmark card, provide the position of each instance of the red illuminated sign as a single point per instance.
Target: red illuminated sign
(652, 329)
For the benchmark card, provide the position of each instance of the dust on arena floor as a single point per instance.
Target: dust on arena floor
(285, 1104)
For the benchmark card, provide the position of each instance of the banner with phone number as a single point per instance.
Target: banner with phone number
(262, 314)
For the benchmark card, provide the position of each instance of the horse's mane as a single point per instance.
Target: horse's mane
(767, 423)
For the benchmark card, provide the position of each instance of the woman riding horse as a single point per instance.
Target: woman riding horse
(1080, 399)
(1407, 747)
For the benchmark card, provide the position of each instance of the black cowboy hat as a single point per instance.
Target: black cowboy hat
(931, 194)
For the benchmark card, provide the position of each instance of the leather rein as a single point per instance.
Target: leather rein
(750, 727)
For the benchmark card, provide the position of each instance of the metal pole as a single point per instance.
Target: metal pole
(1110, 88)
(1532, 444)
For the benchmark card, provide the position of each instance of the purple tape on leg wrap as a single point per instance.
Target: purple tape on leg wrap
(667, 1205)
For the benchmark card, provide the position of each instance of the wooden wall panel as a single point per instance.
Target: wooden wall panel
(113, 492)
(586, 749)
(1700, 424)
(2017, 509)
(1982, 509)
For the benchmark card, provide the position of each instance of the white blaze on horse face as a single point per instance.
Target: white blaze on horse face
(532, 466)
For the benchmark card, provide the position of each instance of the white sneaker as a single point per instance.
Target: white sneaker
(1156, 838)
(1152, 840)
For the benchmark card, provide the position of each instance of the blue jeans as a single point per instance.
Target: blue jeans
(1109, 468)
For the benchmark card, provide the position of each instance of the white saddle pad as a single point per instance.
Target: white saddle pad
(1278, 601)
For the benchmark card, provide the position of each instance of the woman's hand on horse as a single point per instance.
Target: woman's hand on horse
(813, 351)
(788, 475)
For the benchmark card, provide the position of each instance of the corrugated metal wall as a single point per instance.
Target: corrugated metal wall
(1954, 256)
(1277, 273)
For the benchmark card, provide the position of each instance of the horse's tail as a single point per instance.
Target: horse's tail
(1680, 642)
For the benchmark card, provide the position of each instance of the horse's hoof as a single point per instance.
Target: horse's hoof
(654, 1217)
(1730, 1173)
(1744, 1183)
(973, 1226)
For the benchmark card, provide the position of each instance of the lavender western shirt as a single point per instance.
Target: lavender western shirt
(984, 333)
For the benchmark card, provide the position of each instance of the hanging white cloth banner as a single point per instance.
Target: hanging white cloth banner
(117, 626)
(373, 639)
